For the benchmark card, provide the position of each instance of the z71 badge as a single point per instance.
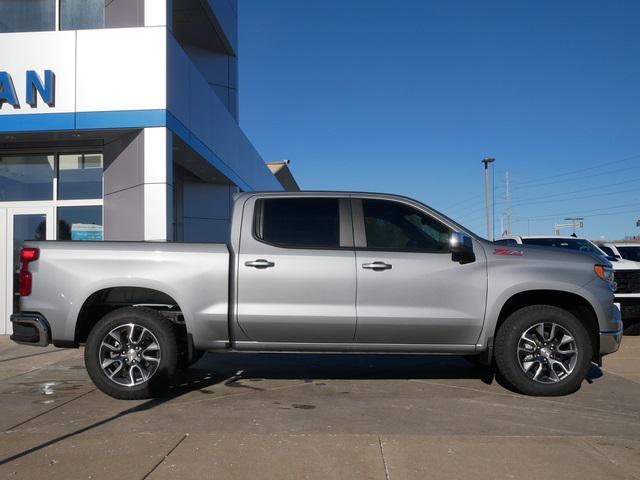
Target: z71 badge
(509, 253)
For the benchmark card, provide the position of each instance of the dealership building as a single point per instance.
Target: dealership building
(119, 121)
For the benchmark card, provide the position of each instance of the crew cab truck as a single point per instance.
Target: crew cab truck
(320, 272)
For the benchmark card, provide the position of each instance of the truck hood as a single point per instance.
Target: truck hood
(544, 253)
(622, 264)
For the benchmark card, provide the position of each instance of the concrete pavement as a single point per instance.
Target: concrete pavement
(316, 416)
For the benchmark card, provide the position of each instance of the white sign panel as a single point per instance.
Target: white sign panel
(37, 73)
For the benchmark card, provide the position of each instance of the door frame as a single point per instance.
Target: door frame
(7, 216)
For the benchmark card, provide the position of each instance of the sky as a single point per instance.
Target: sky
(408, 96)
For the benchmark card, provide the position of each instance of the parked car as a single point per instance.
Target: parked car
(627, 271)
(320, 272)
(626, 250)
(628, 281)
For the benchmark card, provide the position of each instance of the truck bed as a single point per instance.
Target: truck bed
(68, 275)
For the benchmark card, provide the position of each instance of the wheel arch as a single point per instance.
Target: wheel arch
(569, 301)
(107, 299)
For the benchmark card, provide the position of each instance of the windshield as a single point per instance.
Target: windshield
(630, 253)
(607, 250)
(578, 244)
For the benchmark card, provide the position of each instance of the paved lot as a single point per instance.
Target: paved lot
(316, 416)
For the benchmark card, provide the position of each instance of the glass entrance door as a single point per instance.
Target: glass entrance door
(22, 224)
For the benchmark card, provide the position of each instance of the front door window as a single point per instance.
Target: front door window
(392, 226)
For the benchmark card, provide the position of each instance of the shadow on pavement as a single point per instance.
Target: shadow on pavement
(338, 366)
(231, 368)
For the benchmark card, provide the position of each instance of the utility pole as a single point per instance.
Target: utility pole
(486, 162)
(507, 202)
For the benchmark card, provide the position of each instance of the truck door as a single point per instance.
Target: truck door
(296, 270)
(410, 290)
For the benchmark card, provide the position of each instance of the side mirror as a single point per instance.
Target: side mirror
(461, 248)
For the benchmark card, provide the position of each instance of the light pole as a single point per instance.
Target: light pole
(486, 162)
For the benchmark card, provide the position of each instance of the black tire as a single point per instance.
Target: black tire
(508, 360)
(161, 331)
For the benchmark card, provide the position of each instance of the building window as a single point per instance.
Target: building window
(81, 14)
(27, 15)
(26, 178)
(79, 176)
(80, 223)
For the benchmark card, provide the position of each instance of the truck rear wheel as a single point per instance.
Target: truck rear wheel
(132, 353)
(543, 350)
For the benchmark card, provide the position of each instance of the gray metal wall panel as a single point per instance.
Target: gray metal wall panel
(124, 162)
(124, 13)
(124, 188)
(124, 215)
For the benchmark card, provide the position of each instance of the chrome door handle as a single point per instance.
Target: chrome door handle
(377, 266)
(260, 263)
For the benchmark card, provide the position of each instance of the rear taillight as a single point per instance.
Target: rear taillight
(25, 280)
(29, 254)
(24, 283)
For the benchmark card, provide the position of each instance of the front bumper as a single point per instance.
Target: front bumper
(610, 341)
(30, 329)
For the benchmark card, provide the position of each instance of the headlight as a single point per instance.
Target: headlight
(604, 273)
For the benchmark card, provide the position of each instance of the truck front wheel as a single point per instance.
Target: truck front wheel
(132, 353)
(543, 350)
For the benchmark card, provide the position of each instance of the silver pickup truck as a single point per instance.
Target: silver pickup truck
(320, 272)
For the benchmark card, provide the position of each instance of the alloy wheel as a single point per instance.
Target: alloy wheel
(129, 355)
(547, 352)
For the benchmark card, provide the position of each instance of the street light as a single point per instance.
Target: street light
(486, 162)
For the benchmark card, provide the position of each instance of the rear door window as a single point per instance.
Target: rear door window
(298, 222)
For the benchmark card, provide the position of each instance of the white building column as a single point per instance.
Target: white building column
(157, 12)
(158, 184)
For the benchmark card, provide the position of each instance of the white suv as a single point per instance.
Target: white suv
(625, 258)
